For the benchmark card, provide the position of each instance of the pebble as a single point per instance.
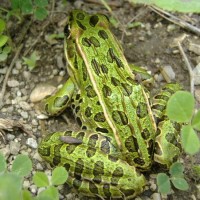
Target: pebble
(171, 27)
(15, 71)
(24, 105)
(10, 136)
(62, 73)
(27, 75)
(195, 48)
(33, 189)
(3, 70)
(37, 157)
(13, 83)
(26, 184)
(14, 147)
(197, 94)
(18, 64)
(5, 151)
(24, 114)
(34, 122)
(60, 63)
(41, 91)
(156, 196)
(39, 167)
(31, 142)
(19, 94)
(196, 72)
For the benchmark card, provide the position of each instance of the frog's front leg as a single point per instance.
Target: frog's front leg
(58, 102)
(167, 142)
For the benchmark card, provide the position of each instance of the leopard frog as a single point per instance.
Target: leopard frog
(121, 132)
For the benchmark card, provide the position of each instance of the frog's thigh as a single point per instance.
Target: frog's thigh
(167, 142)
(58, 102)
(93, 170)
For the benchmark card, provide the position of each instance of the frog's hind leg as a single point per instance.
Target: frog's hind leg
(167, 142)
(58, 102)
(94, 166)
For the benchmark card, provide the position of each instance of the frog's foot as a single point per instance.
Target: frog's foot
(93, 168)
(167, 143)
(58, 102)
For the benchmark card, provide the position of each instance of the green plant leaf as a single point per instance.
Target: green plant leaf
(190, 140)
(2, 25)
(26, 6)
(163, 183)
(173, 5)
(180, 106)
(180, 183)
(3, 40)
(31, 61)
(176, 169)
(26, 195)
(3, 164)
(41, 3)
(51, 192)
(40, 13)
(3, 56)
(59, 176)
(10, 186)
(6, 49)
(196, 121)
(40, 179)
(22, 165)
(15, 4)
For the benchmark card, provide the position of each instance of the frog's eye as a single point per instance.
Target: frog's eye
(67, 30)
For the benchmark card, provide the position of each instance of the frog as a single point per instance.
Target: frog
(123, 131)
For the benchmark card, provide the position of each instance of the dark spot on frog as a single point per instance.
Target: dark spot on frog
(102, 34)
(93, 20)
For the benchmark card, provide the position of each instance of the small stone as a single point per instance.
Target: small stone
(14, 147)
(12, 83)
(157, 61)
(26, 184)
(156, 196)
(27, 75)
(55, 72)
(10, 137)
(169, 71)
(37, 157)
(196, 72)
(5, 151)
(33, 189)
(24, 114)
(39, 167)
(3, 70)
(15, 71)
(195, 48)
(32, 143)
(153, 187)
(34, 122)
(171, 27)
(141, 38)
(18, 64)
(41, 91)
(24, 105)
(60, 63)
(62, 73)
(19, 94)
(197, 95)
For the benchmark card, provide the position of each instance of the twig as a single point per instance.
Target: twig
(188, 67)
(175, 20)
(7, 75)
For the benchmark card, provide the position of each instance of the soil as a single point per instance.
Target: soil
(150, 45)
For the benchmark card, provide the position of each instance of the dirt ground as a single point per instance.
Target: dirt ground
(150, 44)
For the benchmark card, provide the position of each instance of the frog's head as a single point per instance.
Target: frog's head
(79, 34)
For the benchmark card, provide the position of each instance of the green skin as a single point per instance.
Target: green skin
(118, 134)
